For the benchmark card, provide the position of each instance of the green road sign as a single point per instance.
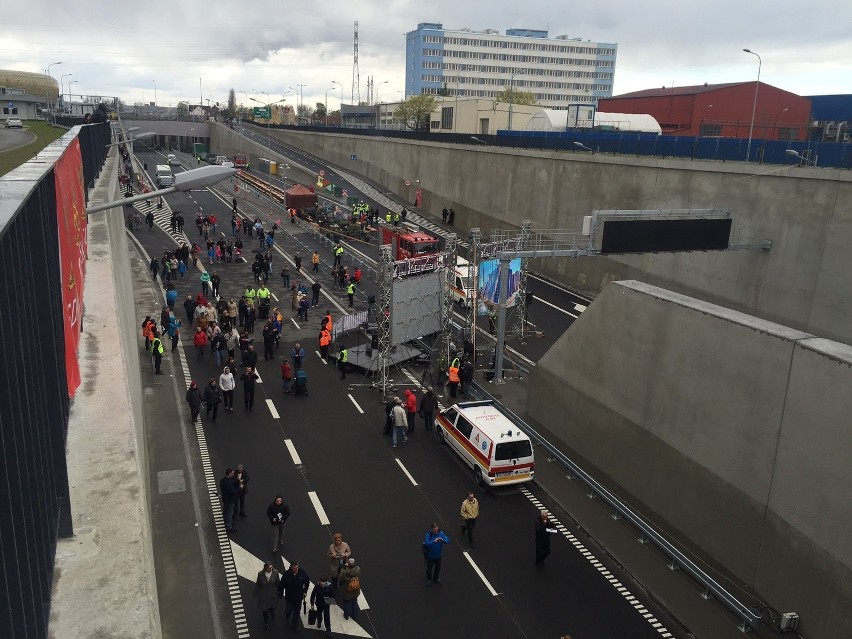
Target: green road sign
(262, 112)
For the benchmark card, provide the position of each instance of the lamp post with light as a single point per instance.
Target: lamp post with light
(269, 119)
(62, 88)
(775, 125)
(69, 91)
(754, 106)
(341, 99)
(47, 90)
(511, 97)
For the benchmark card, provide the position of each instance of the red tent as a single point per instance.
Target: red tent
(300, 197)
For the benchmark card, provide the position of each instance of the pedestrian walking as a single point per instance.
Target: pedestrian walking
(215, 281)
(266, 592)
(193, 398)
(205, 283)
(199, 340)
(297, 356)
(157, 351)
(350, 588)
(322, 597)
(212, 397)
(433, 547)
(315, 262)
(410, 410)
(149, 219)
(400, 422)
(219, 343)
(243, 478)
(453, 377)
(249, 378)
(298, 262)
(324, 342)
(428, 403)
(342, 359)
(278, 513)
(350, 292)
(229, 489)
(316, 287)
(155, 268)
(294, 588)
(174, 331)
(444, 213)
(451, 218)
(338, 553)
(466, 376)
(469, 513)
(543, 530)
(227, 384)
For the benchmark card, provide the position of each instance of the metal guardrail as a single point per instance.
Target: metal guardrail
(679, 560)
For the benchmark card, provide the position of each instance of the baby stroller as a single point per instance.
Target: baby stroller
(300, 383)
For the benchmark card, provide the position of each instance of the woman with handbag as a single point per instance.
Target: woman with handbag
(338, 553)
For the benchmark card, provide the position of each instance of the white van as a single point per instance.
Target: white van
(462, 287)
(164, 176)
(498, 451)
(171, 160)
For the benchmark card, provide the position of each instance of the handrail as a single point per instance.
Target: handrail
(746, 613)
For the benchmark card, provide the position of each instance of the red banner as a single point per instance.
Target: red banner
(73, 250)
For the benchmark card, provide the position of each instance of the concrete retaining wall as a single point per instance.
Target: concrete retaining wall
(806, 212)
(731, 428)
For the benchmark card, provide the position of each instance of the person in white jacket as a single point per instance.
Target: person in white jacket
(227, 384)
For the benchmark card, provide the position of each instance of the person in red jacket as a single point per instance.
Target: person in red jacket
(410, 409)
(200, 341)
(286, 376)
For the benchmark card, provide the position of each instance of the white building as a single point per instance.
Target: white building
(463, 63)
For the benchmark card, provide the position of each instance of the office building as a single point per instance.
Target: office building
(463, 63)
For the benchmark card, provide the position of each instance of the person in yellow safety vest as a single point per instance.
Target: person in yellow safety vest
(250, 294)
(454, 378)
(338, 255)
(350, 291)
(396, 218)
(342, 358)
(157, 351)
(388, 217)
(263, 293)
(324, 341)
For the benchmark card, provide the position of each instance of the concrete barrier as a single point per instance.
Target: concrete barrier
(731, 428)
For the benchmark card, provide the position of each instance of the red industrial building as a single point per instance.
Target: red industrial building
(722, 110)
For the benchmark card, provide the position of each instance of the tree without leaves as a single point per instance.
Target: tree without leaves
(517, 97)
(416, 111)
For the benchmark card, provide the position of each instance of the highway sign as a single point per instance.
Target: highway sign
(353, 157)
(262, 112)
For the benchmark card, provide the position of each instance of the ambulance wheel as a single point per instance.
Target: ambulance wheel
(477, 475)
(439, 435)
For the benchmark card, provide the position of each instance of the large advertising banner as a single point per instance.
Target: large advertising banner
(489, 284)
(73, 250)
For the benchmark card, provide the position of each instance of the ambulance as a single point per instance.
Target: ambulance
(498, 451)
(462, 287)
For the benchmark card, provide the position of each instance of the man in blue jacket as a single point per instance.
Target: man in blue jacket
(433, 546)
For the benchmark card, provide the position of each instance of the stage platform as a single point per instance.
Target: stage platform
(358, 357)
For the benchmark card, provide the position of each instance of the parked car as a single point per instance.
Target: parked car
(14, 123)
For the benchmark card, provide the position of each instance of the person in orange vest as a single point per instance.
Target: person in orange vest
(454, 378)
(324, 341)
(326, 321)
(148, 331)
(292, 216)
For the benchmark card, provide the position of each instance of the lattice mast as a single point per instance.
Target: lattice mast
(356, 89)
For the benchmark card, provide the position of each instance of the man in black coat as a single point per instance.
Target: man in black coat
(189, 307)
(193, 398)
(229, 489)
(212, 397)
(323, 591)
(294, 588)
(542, 538)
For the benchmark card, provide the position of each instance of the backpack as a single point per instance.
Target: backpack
(354, 584)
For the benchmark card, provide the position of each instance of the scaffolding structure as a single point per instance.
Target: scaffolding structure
(450, 261)
(475, 240)
(385, 270)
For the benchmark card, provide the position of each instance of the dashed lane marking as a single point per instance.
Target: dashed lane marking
(352, 399)
(479, 572)
(272, 409)
(292, 450)
(405, 470)
(324, 520)
(624, 592)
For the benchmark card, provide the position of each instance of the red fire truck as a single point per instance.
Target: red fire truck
(414, 251)
(240, 161)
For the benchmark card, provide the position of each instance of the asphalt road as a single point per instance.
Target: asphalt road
(384, 499)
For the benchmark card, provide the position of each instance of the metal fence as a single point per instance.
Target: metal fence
(34, 404)
(823, 154)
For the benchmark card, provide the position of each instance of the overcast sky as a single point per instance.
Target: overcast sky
(264, 47)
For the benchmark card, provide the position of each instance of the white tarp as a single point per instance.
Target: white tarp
(586, 117)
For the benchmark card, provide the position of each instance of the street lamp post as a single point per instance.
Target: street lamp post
(775, 125)
(341, 100)
(754, 106)
(62, 87)
(326, 104)
(69, 90)
(47, 90)
(269, 119)
(511, 97)
(795, 154)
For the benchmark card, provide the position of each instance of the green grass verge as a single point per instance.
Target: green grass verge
(45, 134)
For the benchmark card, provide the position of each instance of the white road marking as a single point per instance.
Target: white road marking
(352, 399)
(479, 572)
(272, 409)
(407, 474)
(322, 359)
(259, 380)
(293, 319)
(273, 296)
(580, 307)
(637, 605)
(558, 308)
(292, 450)
(324, 520)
